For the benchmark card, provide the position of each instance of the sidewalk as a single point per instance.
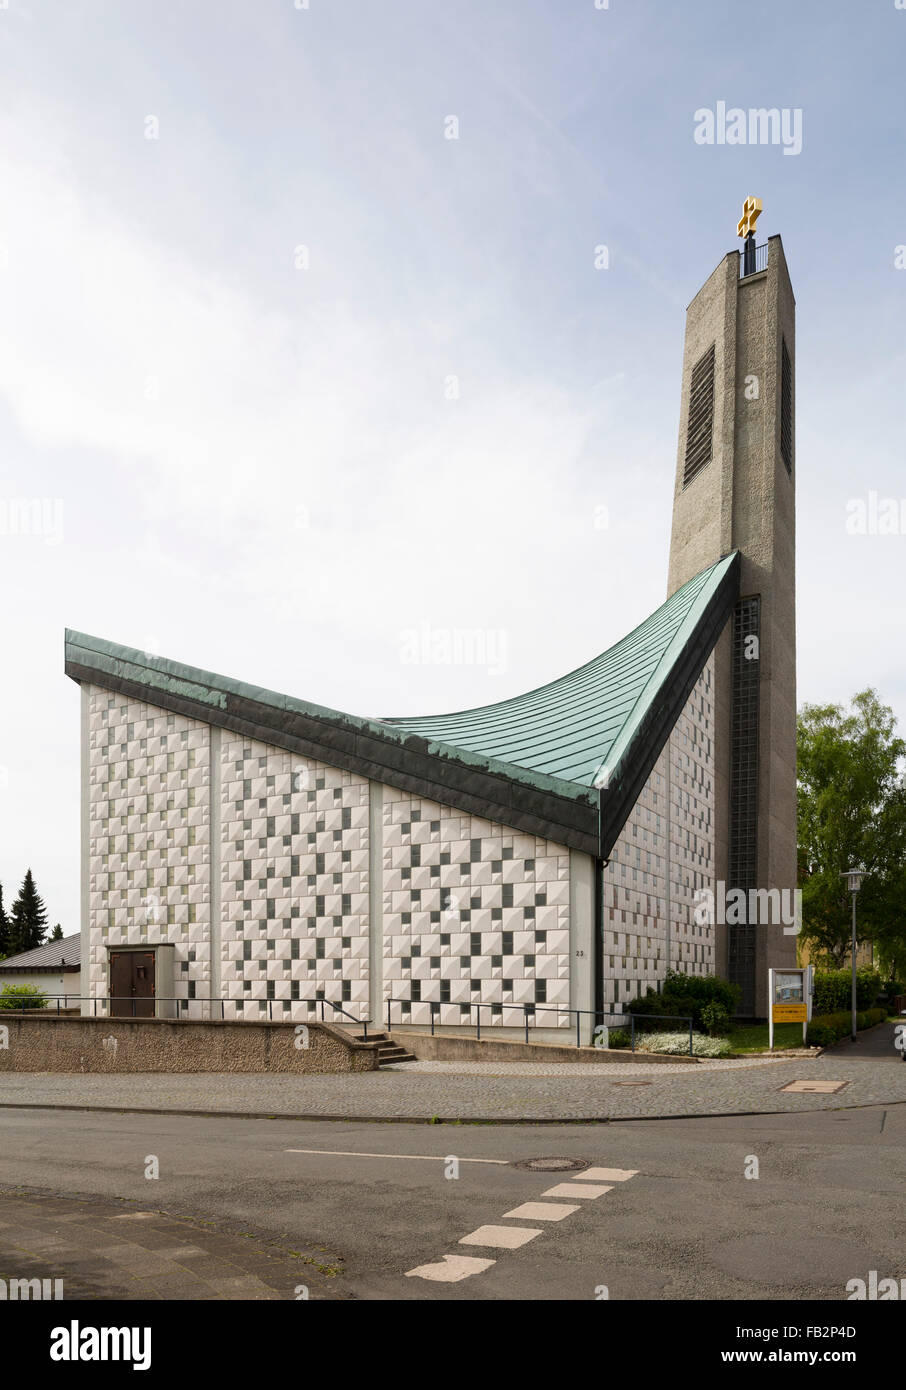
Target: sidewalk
(491, 1091)
(102, 1248)
(875, 1044)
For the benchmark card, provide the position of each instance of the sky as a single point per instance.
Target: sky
(310, 358)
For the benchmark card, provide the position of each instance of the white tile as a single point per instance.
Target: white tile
(501, 1237)
(571, 1189)
(606, 1174)
(450, 1269)
(540, 1211)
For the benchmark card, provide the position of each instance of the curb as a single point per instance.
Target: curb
(441, 1119)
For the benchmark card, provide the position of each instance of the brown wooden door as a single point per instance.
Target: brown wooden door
(132, 984)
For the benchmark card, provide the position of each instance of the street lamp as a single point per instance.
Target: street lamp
(854, 883)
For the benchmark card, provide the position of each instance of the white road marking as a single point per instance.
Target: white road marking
(425, 1158)
(450, 1269)
(606, 1174)
(541, 1211)
(504, 1237)
(575, 1189)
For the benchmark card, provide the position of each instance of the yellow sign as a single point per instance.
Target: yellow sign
(751, 211)
(790, 1013)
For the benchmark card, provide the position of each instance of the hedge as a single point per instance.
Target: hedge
(825, 1029)
(683, 996)
(18, 997)
(833, 989)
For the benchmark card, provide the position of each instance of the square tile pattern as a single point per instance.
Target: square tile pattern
(294, 883)
(149, 848)
(646, 869)
(473, 913)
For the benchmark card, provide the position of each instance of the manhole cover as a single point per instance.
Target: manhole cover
(552, 1165)
(630, 1083)
(818, 1088)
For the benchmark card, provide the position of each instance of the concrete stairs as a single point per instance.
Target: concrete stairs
(388, 1050)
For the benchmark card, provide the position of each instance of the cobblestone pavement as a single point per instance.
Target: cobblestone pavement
(481, 1091)
(611, 1069)
(103, 1248)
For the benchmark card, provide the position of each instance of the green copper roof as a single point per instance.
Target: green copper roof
(577, 728)
(565, 761)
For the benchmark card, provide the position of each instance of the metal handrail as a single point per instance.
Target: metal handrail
(666, 1018)
(179, 999)
(435, 1007)
(529, 1010)
(759, 261)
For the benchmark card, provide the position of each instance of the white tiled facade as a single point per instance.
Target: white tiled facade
(149, 852)
(256, 866)
(474, 915)
(639, 894)
(294, 883)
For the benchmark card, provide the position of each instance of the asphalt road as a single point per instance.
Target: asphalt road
(826, 1207)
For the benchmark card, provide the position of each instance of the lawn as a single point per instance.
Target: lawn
(754, 1038)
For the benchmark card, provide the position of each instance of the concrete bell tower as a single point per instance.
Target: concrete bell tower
(735, 490)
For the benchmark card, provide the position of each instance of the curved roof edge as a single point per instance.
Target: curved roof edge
(580, 726)
(549, 807)
(559, 762)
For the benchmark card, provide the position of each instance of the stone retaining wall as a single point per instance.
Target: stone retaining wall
(47, 1043)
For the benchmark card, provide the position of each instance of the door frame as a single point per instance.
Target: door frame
(163, 953)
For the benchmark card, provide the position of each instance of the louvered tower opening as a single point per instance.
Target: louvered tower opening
(786, 408)
(700, 430)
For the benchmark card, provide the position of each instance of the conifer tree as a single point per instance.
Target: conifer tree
(28, 919)
(4, 928)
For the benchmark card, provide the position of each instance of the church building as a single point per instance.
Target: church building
(539, 861)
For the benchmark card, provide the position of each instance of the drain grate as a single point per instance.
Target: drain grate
(552, 1165)
(819, 1088)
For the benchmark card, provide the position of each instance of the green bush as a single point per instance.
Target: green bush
(703, 987)
(716, 1019)
(833, 989)
(650, 1003)
(22, 997)
(618, 1037)
(683, 996)
(825, 1029)
(821, 1033)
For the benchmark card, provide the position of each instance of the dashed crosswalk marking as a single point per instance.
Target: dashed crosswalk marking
(585, 1186)
(587, 1190)
(502, 1237)
(540, 1211)
(449, 1269)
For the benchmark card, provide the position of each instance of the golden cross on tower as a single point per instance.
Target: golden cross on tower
(751, 211)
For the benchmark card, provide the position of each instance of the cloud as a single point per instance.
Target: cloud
(307, 457)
